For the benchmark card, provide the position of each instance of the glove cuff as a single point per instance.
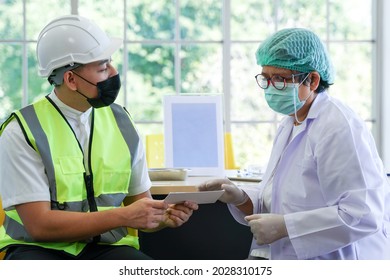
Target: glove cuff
(244, 199)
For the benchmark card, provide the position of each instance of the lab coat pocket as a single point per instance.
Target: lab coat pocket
(308, 169)
(306, 193)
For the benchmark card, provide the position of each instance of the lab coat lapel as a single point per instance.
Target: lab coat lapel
(281, 141)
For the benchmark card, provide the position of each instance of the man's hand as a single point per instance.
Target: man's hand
(146, 213)
(177, 214)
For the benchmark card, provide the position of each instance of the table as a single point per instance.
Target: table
(189, 185)
(210, 234)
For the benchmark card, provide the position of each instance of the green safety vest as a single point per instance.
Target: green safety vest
(113, 142)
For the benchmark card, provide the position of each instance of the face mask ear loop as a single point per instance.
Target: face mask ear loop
(295, 103)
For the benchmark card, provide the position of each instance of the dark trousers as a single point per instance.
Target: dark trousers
(91, 252)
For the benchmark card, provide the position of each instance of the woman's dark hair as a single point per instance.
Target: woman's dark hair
(322, 86)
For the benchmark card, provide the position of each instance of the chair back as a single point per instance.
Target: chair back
(230, 162)
(155, 150)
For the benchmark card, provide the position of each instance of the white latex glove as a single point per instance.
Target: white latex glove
(232, 195)
(267, 228)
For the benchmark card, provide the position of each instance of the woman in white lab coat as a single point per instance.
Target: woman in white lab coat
(324, 194)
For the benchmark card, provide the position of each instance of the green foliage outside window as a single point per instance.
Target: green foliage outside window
(170, 49)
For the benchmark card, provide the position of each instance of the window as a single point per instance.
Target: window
(199, 46)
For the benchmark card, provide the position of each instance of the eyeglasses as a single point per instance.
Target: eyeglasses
(277, 81)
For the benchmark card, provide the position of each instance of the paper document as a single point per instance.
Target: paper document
(245, 179)
(197, 197)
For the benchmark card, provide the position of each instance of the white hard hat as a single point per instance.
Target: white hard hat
(70, 40)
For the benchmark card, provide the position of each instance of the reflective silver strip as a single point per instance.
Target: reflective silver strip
(127, 129)
(107, 200)
(103, 200)
(17, 232)
(113, 235)
(42, 143)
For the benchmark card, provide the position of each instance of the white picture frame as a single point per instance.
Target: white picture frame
(193, 134)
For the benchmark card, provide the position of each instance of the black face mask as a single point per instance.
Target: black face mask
(107, 91)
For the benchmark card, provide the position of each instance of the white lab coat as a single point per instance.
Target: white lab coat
(330, 185)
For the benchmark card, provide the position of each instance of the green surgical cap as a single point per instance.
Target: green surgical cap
(296, 49)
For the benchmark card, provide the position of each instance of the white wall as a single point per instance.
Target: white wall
(383, 79)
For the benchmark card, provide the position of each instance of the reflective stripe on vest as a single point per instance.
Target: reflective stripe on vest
(114, 143)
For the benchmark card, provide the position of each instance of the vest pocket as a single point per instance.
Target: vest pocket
(71, 165)
(115, 182)
(70, 179)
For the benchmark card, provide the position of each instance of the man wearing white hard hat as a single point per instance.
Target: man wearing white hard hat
(73, 168)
